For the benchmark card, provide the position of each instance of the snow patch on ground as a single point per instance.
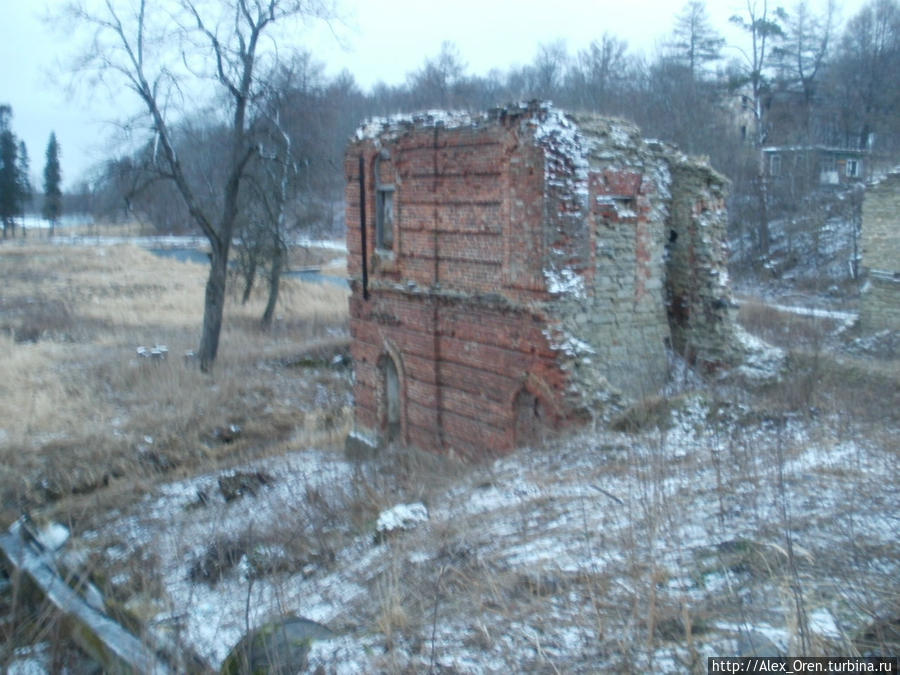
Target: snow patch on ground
(553, 557)
(762, 362)
(401, 517)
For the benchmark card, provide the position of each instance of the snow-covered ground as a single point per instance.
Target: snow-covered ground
(63, 238)
(65, 234)
(743, 525)
(736, 529)
(815, 247)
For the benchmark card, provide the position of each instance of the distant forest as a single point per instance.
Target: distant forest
(805, 81)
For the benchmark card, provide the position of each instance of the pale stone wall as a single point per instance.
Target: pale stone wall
(611, 325)
(880, 305)
(881, 255)
(700, 305)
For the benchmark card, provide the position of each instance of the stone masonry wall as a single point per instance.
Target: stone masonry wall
(606, 280)
(880, 308)
(700, 307)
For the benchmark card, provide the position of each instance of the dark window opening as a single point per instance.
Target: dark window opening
(530, 419)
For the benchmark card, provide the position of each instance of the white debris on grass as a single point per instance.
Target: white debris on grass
(401, 517)
(762, 362)
(53, 536)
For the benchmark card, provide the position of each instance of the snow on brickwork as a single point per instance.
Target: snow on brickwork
(379, 127)
(527, 282)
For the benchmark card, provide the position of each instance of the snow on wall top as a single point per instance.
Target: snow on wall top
(879, 178)
(392, 125)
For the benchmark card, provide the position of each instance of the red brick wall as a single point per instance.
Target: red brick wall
(461, 363)
(468, 210)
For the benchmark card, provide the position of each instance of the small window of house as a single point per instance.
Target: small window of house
(775, 165)
(384, 217)
(852, 168)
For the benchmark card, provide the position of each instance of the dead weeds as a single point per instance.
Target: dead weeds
(82, 411)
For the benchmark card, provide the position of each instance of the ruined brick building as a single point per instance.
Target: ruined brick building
(522, 269)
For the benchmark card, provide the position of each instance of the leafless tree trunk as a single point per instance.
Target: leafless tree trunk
(228, 47)
(763, 28)
(278, 257)
(277, 217)
(249, 280)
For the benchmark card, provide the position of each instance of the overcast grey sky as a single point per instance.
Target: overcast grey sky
(377, 41)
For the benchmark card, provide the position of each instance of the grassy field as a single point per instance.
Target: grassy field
(83, 417)
(720, 517)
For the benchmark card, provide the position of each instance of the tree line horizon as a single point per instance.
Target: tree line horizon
(264, 159)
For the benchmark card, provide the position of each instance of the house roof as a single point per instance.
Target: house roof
(856, 152)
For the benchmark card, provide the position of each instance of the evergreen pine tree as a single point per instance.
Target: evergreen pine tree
(9, 183)
(52, 180)
(26, 190)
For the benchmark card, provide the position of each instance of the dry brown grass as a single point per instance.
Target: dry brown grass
(79, 410)
(785, 329)
(821, 377)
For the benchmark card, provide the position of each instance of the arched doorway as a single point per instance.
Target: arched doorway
(391, 403)
(530, 419)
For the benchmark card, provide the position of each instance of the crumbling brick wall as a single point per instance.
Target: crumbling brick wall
(880, 309)
(534, 272)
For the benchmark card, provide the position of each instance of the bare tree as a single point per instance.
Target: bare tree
(694, 41)
(272, 184)
(165, 53)
(437, 81)
(763, 28)
(864, 81)
(802, 54)
(548, 69)
(598, 71)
